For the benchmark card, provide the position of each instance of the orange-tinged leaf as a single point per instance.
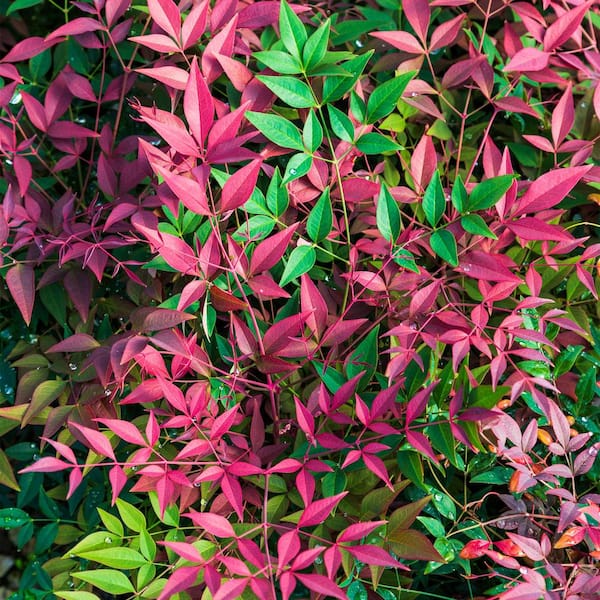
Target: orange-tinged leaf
(7, 477)
(571, 537)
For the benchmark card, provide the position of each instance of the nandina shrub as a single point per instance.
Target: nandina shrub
(308, 299)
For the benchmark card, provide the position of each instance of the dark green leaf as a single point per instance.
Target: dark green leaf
(434, 201)
(320, 219)
(297, 166)
(277, 195)
(473, 223)
(45, 537)
(277, 129)
(375, 143)
(335, 87)
(358, 107)
(487, 193)
(292, 91)
(16, 5)
(312, 134)
(293, 32)
(13, 517)
(301, 260)
(385, 96)
(388, 215)
(444, 245)
(280, 62)
(316, 46)
(459, 195)
(341, 125)
(364, 358)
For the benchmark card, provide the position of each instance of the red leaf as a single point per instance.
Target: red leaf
(446, 33)
(357, 531)
(565, 26)
(96, 440)
(239, 186)
(181, 579)
(156, 41)
(21, 285)
(530, 228)
(423, 162)
(172, 76)
(340, 331)
(318, 511)
(278, 335)
(322, 585)
(400, 39)
(117, 479)
(265, 288)
(563, 117)
(28, 48)
(223, 423)
(194, 24)
(125, 430)
(417, 403)
(269, 251)
(288, 547)
(514, 104)
(76, 27)
(198, 105)
(305, 420)
(372, 555)
(531, 547)
(528, 59)
(47, 464)
(489, 267)
(231, 590)
(418, 14)
(313, 303)
(474, 549)
(155, 319)
(549, 189)
(185, 550)
(80, 342)
(215, 524)
(166, 15)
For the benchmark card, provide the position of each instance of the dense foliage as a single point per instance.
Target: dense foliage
(300, 300)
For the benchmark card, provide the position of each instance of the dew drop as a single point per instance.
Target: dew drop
(523, 570)
(292, 171)
(466, 268)
(71, 584)
(107, 392)
(197, 484)
(73, 366)
(358, 44)
(318, 560)
(438, 497)
(593, 451)
(107, 540)
(582, 105)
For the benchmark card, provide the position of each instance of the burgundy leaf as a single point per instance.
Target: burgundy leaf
(269, 251)
(322, 585)
(418, 14)
(239, 186)
(319, 510)
(20, 280)
(198, 104)
(528, 59)
(80, 342)
(75, 27)
(565, 26)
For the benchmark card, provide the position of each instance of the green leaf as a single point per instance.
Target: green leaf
(292, 91)
(443, 504)
(320, 219)
(459, 195)
(16, 5)
(487, 193)
(341, 125)
(112, 523)
(385, 96)
(98, 540)
(388, 215)
(54, 299)
(298, 166)
(277, 195)
(434, 201)
(7, 476)
(107, 580)
(117, 558)
(364, 358)
(473, 223)
(277, 130)
(335, 87)
(147, 545)
(358, 107)
(13, 517)
(280, 62)
(131, 516)
(301, 260)
(79, 595)
(375, 143)
(45, 538)
(444, 245)
(255, 228)
(316, 46)
(312, 134)
(292, 31)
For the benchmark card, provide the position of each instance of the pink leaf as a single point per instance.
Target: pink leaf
(194, 24)
(172, 76)
(318, 511)
(400, 39)
(563, 117)
(514, 104)
(47, 464)
(423, 162)
(488, 267)
(372, 555)
(215, 524)
(446, 33)
(21, 285)
(231, 590)
(565, 26)
(528, 59)
(269, 251)
(223, 423)
(181, 579)
(80, 342)
(75, 27)
(530, 228)
(125, 430)
(166, 15)
(185, 550)
(549, 189)
(322, 585)
(288, 547)
(157, 42)
(312, 302)
(418, 14)
(239, 186)
(96, 440)
(418, 402)
(357, 531)
(265, 288)
(28, 48)
(341, 330)
(198, 104)
(278, 335)
(305, 420)
(117, 479)
(530, 546)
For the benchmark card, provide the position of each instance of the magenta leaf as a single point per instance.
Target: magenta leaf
(319, 510)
